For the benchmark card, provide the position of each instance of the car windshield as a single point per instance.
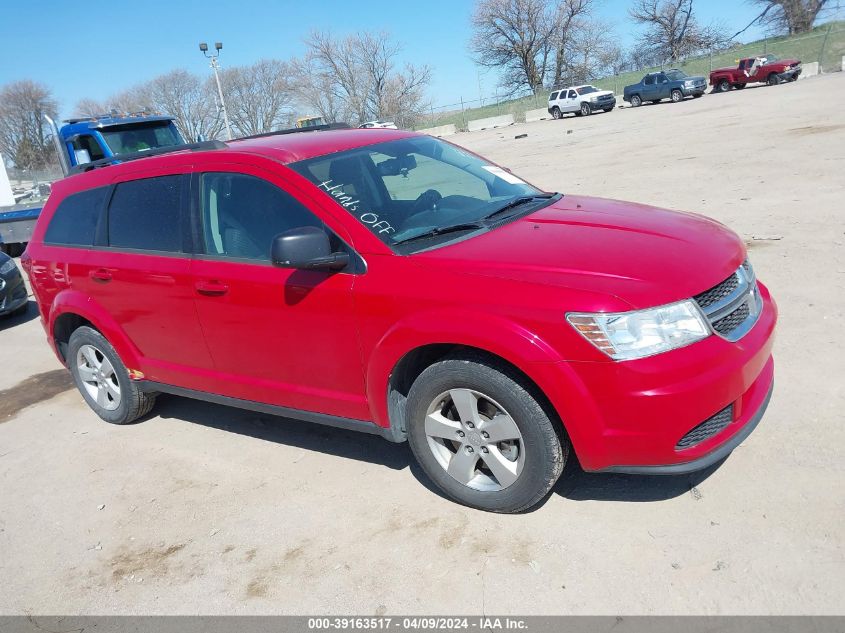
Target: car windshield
(139, 137)
(675, 75)
(584, 90)
(768, 59)
(420, 190)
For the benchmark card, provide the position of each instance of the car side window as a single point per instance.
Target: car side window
(553, 96)
(661, 79)
(145, 214)
(75, 221)
(242, 214)
(572, 94)
(648, 81)
(87, 143)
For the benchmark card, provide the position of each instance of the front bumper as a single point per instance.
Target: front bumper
(695, 90)
(631, 416)
(608, 104)
(12, 293)
(790, 75)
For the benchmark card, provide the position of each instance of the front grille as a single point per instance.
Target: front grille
(707, 429)
(717, 293)
(728, 324)
(732, 306)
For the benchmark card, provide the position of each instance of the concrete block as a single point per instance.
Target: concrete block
(490, 122)
(440, 130)
(809, 70)
(537, 115)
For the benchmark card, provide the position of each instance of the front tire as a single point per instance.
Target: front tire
(773, 79)
(585, 110)
(478, 431)
(677, 96)
(723, 86)
(102, 379)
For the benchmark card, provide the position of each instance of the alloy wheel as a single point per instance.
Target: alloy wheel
(98, 377)
(475, 440)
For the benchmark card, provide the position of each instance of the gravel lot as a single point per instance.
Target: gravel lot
(206, 509)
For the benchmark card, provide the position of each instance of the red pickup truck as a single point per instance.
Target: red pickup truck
(767, 69)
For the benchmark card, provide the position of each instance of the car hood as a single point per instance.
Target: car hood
(642, 255)
(694, 78)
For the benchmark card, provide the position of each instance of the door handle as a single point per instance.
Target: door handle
(102, 275)
(211, 288)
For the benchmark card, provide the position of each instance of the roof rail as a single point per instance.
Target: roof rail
(296, 130)
(110, 160)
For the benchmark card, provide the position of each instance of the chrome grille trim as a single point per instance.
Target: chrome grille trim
(733, 306)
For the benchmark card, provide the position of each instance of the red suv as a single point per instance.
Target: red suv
(396, 284)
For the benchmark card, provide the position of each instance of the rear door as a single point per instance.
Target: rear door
(277, 335)
(140, 273)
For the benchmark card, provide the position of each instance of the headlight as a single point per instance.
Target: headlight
(594, 98)
(689, 84)
(7, 267)
(630, 335)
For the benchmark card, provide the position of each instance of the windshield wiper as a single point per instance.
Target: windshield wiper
(440, 230)
(517, 202)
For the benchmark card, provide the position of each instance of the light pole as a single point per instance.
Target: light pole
(218, 46)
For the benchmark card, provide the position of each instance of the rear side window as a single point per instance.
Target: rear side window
(553, 96)
(145, 214)
(75, 221)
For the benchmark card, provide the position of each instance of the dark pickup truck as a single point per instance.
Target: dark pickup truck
(671, 84)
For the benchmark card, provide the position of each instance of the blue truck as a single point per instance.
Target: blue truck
(84, 141)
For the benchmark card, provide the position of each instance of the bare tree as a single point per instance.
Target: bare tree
(258, 97)
(24, 135)
(787, 16)
(316, 90)
(517, 38)
(356, 77)
(571, 21)
(189, 100)
(672, 30)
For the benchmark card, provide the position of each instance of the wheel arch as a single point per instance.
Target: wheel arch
(71, 310)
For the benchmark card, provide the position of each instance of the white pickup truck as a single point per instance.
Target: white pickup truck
(581, 100)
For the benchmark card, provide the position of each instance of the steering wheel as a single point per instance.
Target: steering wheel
(427, 200)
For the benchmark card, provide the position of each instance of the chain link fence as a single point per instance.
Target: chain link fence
(825, 45)
(31, 186)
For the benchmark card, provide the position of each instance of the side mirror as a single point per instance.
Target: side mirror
(308, 248)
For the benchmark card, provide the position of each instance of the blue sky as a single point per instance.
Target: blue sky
(94, 48)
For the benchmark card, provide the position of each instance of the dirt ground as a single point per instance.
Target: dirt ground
(206, 509)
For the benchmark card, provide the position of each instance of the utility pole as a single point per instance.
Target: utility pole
(215, 67)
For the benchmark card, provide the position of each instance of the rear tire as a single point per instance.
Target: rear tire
(636, 101)
(677, 96)
(102, 379)
(556, 113)
(478, 431)
(738, 86)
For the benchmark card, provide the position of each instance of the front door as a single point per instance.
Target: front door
(278, 336)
